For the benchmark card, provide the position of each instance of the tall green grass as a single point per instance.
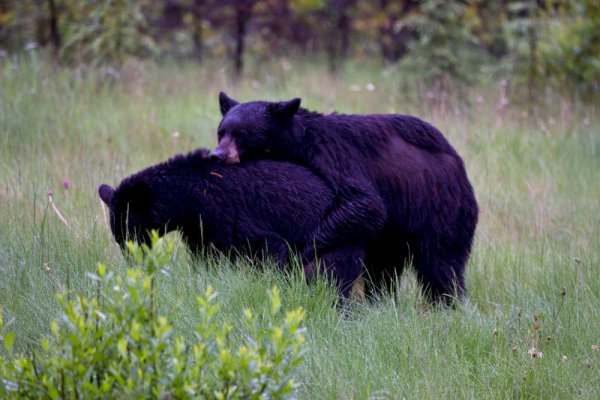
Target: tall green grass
(536, 173)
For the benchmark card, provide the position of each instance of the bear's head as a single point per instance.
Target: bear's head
(131, 216)
(248, 129)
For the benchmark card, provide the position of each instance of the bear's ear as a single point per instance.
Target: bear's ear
(226, 103)
(106, 193)
(285, 109)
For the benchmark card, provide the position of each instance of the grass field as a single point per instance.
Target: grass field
(536, 255)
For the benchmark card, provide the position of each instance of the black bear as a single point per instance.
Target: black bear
(261, 208)
(401, 189)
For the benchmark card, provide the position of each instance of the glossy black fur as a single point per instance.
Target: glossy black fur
(256, 208)
(401, 189)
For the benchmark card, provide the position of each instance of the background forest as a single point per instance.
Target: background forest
(555, 41)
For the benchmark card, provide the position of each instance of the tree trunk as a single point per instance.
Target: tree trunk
(332, 55)
(344, 29)
(242, 15)
(54, 33)
(199, 11)
(533, 59)
(197, 38)
(338, 42)
(393, 43)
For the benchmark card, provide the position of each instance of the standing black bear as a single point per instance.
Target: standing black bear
(260, 208)
(396, 179)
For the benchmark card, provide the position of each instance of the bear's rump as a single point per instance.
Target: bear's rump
(419, 188)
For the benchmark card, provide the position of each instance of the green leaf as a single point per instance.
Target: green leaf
(101, 270)
(53, 392)
(122, 345)
(9, 339)
(275, 300)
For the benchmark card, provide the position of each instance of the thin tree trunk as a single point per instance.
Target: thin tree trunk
(382, 31)
(344, 26)
(197, 38)
(54, 33)
(533, 61)
(242, 16)
(332, 53)
(199, 11)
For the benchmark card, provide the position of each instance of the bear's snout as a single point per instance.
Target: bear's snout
(218, 154)
(226, 151)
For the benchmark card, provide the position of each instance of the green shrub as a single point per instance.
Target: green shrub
(106, 32)
(570, 51)
(446, 48)
(118, 345)
(556, 43)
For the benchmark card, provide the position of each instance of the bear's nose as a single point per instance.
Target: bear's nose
(218, 154)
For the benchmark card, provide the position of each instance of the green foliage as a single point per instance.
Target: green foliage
(570, 49)
(105, 32)
(558, 41)
(304, 6)
(445, 44)
(117, 345)
(535, 41)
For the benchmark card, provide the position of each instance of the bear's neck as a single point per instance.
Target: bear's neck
(295, 143)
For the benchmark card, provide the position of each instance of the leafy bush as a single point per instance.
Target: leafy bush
(118, 345)
(558, 41)
(106, 32)
(446, 47)
(570, 51)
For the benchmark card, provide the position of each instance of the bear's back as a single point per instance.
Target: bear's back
(259, 194)
(378, 128)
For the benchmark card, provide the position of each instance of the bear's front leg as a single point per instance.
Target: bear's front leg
(342, 266)
(275, 247)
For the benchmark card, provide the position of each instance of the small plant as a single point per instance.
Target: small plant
(118, 345)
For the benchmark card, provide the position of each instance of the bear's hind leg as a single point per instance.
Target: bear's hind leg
(386, 259)
(343, 266)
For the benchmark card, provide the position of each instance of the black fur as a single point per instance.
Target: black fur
(256, 208)
(401, 189)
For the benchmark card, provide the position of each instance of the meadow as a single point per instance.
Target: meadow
(530, 325)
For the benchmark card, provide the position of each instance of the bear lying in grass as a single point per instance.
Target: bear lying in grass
(401, 190)
(259, 208)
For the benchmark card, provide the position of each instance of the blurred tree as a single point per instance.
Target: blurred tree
(199, 11)
(180, 20)
(6, 15)
(243, 12)
(53, 22)
(106, 32)
(337, 17)
(522, 25)
(306, 24)
(439, 40)
(570, 48)
(486, 19)
(21, 23)
(238, 13)
(395, 36)
(555, 42)
(445, 48)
